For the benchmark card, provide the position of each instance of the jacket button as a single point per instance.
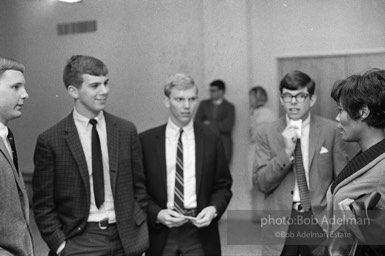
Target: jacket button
(292, 192)
(20, 193)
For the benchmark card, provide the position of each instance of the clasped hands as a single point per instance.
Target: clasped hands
(290, 136)
(172, 219)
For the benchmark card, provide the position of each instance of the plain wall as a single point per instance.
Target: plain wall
(143, 42)
(303, 27)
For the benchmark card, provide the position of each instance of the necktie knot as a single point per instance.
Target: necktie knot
(93, 122)
(180, 133)
(10, 135)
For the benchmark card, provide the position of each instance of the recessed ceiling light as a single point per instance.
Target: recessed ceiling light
(70, 1)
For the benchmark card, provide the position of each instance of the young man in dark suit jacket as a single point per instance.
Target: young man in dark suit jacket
(89, 192)
(15, 232)
(187, 177)
(218, 114)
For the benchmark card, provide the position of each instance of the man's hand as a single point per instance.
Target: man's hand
(205, 217)
(290, 136)
(206, 122)
(171, 218)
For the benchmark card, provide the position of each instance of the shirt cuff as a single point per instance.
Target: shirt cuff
(61, 247)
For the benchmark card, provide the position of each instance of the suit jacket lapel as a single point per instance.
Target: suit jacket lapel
(358, 173)
(314, 137)
(161, 156)
(113, 148)
(280, 127)
(5, 152)
(199, 155)
(18, 179)
(75, 146)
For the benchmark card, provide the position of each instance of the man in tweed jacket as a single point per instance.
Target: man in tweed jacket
(68, 216)
(15, 232)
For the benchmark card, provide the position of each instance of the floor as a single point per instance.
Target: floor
(239, 237)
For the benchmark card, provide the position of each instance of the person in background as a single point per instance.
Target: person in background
(297, 158)
(89, 195)
(259, 114)
(187, 177)
(361, 119)
(219, 114)
(15, 232)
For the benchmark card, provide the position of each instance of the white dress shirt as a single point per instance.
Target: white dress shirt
(305, 155)
(188, 140)
(84, 128)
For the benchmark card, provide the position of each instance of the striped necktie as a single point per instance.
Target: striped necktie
(301, 177)
(179, 183)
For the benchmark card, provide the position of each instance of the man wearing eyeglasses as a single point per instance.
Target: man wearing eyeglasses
(297, 158)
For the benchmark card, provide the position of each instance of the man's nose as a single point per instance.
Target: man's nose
(105, 89)
(186, 103)
(24, 95)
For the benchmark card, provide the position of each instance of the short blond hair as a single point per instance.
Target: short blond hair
(10, 64)
(179, 81)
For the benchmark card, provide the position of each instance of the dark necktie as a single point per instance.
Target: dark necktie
(301, 177)
(97, 166)
(179, 183)
(11, 140)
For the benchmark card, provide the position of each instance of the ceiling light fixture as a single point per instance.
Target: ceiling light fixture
(70, 1)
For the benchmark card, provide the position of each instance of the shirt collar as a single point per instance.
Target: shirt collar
(3, 130)
(218, 101)
(173, 130)
(305, 122)
(85, 120)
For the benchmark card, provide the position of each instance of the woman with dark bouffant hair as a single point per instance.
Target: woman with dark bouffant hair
(361, 119)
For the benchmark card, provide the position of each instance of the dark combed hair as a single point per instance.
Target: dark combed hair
(357, 91)
(78, 65)
(297, 80)
(219, 84)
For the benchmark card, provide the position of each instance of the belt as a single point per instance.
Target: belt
(190, 212)
(298, 207)
(103, 224)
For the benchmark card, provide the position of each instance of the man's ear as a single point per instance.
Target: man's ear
(313, 100)
(166, 101)
(364, 112)
(73, 91)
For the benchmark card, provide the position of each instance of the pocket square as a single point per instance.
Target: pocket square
(324, 150)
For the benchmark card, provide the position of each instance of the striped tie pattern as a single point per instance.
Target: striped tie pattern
(301, 177)
(179, 193)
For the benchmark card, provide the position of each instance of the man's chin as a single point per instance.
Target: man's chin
(295, 117)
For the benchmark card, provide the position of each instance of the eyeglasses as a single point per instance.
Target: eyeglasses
(300, 97)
